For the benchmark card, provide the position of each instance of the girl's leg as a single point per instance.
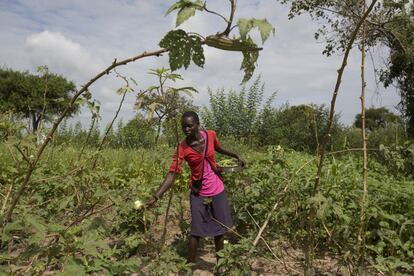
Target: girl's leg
(219, 244)
(192, 249)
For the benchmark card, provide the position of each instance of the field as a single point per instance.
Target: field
(78, 216)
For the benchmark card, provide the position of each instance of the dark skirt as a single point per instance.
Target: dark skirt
(209, 214)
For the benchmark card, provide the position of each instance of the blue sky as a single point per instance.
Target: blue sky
(79, 38)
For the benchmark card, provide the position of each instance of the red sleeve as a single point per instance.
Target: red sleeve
(176, 166)
(215, 140)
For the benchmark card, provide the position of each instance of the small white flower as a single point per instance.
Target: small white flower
(226, 242)
(31, 156)
(138, 204)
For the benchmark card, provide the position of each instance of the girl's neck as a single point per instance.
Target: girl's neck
(196, 137)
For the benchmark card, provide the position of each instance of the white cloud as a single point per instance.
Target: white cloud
(83, 37)
(61, 54)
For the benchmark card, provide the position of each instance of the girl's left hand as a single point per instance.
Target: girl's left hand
(242, 163)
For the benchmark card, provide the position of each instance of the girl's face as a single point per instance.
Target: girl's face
(189, 126)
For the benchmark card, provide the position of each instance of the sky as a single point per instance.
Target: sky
(78, 39)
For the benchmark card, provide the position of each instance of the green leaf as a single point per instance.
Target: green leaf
(184, 14)
(265, 28)
(182, 48)
(64, 202)
(186, 10)
(246, 25)
(249, 62)
(174, 7)
(198, 53)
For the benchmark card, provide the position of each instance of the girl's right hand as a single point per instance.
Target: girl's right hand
(151, 202)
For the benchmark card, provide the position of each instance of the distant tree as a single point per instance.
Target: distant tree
(376, 118)
(136, 133)
(36, 97)
(235, 113)
(164, 102)
(298, 127)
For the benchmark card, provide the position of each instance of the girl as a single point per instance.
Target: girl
(210, 212)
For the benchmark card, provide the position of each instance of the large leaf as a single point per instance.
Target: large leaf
(186, 9)
(249, 61)
(182, 48)
(184, 14)
(246, 25)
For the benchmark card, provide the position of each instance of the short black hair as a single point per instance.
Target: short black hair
(191, 114)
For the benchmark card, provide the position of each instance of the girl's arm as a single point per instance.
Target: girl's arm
(231, 154)
(165, 185)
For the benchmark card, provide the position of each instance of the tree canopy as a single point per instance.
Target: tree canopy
(376, 118)
(35, 97)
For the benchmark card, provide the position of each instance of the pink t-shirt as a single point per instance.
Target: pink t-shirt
(212, 184)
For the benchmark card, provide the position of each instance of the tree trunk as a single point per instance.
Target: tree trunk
(35, 122)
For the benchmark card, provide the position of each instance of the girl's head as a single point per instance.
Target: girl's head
(190, 123)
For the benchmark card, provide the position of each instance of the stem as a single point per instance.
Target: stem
(94, 119)
(213, 12)
(113, 119)
(230, 21)
(6, 199)
(44, 107)
(164, 231)
(52, 131)
(175, 173)
(309, 250)
(364, 199)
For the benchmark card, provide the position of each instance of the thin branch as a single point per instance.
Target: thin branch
(114, 118)
(388, 34)
(94, 119)
(22, 153)
(6, 199)
(213, 12)
(167, 211)
(230, 21)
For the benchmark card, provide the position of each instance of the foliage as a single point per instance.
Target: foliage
(137, 133)
(82, 219)
(186, 9)
(390, 217)
(234, 259)
(399, 159)
(391, 135)
(235, 113)
(397, 35)
(77, 135)
(164, 101)
(35, 97)
(250, 57)
(298, 127)
(183, 48)
(376, 118)
(10, 125)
